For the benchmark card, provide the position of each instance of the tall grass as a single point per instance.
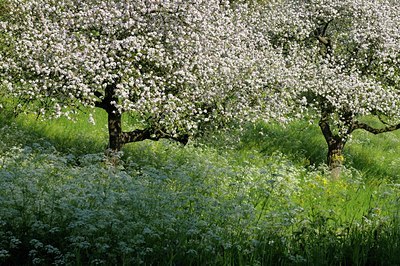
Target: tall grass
(262, 201)
(376, 156)
(76, 136)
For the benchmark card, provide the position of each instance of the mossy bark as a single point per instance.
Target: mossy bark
(335, 144)
(335, 156)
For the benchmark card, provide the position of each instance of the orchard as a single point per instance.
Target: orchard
(181, 67)
(247, 86)
(178, 66)
(346, 56)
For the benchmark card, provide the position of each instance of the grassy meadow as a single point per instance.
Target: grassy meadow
(261, 196)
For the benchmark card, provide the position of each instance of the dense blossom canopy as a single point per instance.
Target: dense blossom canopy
(181, 65)
(176, 64)
(345, 54)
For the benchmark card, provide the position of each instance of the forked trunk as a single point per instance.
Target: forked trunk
(117, 138)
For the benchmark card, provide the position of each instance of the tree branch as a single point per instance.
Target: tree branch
(143, 134)
(322, 38)
(359, 125)
(325, 128)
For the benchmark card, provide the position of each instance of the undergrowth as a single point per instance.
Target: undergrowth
(253, 203)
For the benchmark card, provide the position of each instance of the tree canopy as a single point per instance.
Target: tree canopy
(176, 65)
(183, 66)
(345, 56)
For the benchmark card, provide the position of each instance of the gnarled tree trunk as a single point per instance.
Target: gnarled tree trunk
(336, 145)
(337, 142)
(117, 137)
(114, 117)
(335, 152)
(335, 155)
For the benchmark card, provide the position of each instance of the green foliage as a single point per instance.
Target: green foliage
(375, 156)
(300, 140)
(78, 137)
(209, 203)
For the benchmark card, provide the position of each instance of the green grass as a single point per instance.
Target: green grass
(264, 200)
(78, 136)
(376, 156)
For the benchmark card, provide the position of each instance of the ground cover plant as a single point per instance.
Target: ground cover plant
(247, 86)
(200, 204)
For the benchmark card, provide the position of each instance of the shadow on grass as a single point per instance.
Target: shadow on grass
(301, 142)
(77, 138)
(375, 156)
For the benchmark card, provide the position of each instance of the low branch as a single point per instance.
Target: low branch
(143, 134)
(326, 41)
(359, 125)
(323, 33)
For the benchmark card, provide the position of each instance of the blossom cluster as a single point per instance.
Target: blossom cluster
(175, 63)
(183, 64)
(344, 54)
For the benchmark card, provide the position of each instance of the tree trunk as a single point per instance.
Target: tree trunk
(117, 138)
(114, 117)
(115, 130)
(335, 147)
(335, 155)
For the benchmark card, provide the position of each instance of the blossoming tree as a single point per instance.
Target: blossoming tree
(346, 57)
(176, 65)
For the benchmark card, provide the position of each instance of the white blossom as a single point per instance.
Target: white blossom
(166, 59)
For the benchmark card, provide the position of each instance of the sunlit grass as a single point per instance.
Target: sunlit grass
(375, 156)
(264, 200)
(76, 136)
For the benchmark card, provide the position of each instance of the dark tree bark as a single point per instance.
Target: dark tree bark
(115, 140)
(335, 144)
(375, 131)
(117, 137)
